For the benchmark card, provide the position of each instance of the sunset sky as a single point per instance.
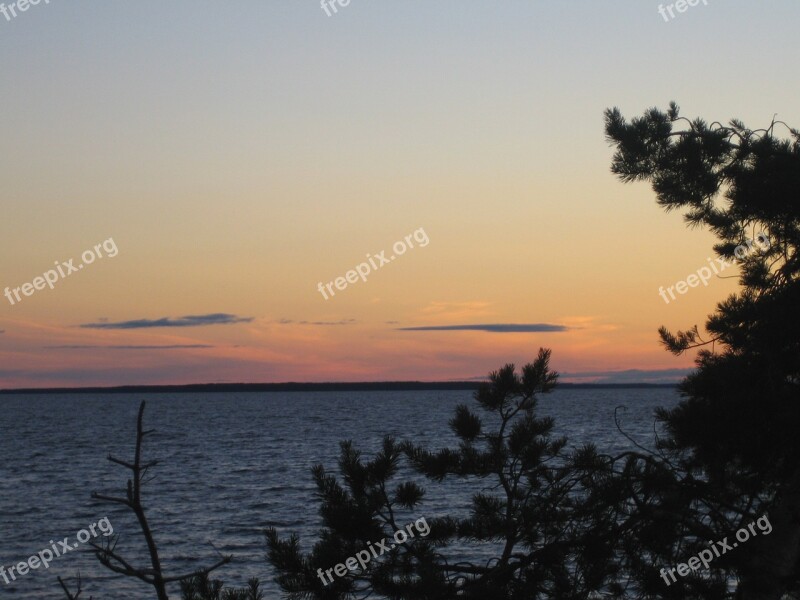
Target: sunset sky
(238, 154)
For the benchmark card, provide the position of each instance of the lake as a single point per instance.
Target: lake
(231, 465)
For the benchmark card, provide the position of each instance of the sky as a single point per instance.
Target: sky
(230, 160)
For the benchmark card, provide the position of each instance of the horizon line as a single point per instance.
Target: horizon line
(294, 386)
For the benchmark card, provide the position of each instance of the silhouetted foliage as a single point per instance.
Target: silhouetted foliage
(734, 433)
(543, 522)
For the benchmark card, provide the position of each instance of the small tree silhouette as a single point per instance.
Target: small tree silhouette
(549, 523)
(107, 553)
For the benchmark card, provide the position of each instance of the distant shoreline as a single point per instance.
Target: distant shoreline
(378, 386)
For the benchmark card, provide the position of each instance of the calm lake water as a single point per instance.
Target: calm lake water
(231, 465)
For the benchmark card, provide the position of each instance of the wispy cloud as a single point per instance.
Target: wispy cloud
(493, 328)
(188, 321)
(340, 322)
(88, 347)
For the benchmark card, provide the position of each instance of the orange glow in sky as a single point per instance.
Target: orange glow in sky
(240, 158)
